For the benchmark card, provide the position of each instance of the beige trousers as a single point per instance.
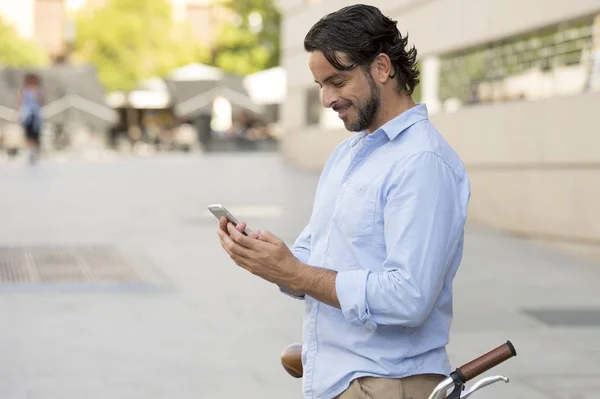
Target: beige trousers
(413, 387)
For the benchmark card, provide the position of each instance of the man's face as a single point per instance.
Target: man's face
(352, 94)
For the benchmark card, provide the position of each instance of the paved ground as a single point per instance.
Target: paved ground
(210, 330)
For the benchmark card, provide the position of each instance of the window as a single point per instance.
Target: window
(492, 72)
(313, 106)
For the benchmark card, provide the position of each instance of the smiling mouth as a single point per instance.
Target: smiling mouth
(342, 112)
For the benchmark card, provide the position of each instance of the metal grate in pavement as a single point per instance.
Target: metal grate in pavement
(566, 317)
(81, 264)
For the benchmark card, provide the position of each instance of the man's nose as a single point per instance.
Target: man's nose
(328, 98)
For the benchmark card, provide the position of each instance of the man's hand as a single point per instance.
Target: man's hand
(263, 254)
(240, 227)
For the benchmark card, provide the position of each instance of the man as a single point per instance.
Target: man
(375, 263)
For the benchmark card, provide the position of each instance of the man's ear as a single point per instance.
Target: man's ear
(383, 70)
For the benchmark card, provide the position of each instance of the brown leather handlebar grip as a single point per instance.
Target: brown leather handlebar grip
(486, 362)
(291, 360)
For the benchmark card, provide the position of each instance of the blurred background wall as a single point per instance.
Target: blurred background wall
(144, 75)
(514, 86)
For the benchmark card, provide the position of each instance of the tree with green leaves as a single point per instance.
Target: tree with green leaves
(18, 52)
(131, 40)
(251, 42)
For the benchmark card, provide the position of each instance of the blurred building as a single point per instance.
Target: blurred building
(268, 89)
(513, 85)
(49, 22)
(204, 101)
(210, 100)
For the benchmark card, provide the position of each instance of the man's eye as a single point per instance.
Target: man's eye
(337, 84)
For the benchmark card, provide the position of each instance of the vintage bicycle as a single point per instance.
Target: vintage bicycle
(291, 359)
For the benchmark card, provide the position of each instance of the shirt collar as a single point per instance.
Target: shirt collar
(400, 123)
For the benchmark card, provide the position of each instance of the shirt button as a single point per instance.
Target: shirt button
(314, 305)
(344, 185)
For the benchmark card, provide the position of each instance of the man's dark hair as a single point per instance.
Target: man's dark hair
(360, 33)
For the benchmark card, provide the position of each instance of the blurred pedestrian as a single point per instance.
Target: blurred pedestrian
(29, 107)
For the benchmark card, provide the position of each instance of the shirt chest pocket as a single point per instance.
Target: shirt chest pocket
(355, 213)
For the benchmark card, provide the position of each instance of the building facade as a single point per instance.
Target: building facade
(49, 22)
(513, 85)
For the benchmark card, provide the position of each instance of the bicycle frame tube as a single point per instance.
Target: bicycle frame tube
(440, 390)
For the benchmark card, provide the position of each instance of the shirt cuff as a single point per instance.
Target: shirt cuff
(290, 295)
(351, 289)
(301, 254)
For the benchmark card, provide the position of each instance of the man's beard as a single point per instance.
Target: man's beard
(366, 112)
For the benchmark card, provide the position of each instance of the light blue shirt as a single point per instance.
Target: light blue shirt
(388, 216)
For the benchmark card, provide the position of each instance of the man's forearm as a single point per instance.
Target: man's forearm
(318, 283)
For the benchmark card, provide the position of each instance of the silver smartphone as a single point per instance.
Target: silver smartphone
(219, 210)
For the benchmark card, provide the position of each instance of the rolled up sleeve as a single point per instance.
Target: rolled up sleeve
(351, 289)
(301, 247)
(424, 215)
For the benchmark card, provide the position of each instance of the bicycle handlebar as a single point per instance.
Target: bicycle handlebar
(485, 362)
(291, 359)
